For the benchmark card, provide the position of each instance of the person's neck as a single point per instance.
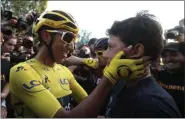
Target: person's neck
(43, 57)
(134, 82)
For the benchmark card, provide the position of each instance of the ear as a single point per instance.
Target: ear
(137, 51)
(45, 36)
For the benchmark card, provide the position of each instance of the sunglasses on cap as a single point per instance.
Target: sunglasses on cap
(99, 53)
(66, 36)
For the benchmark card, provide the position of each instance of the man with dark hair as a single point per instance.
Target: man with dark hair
(143, 97)
(91, 46)
(172, 78)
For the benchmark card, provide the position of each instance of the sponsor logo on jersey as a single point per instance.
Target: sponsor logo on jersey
(21, 68)
(64, 84)
(31, 84)
(64, 81)
(46, 79)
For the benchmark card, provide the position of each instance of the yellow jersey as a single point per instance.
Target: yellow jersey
(38, 90)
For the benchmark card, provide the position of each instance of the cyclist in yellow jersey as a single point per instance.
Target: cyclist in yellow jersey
(40, 87)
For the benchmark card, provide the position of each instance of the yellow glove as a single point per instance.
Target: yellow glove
(93, 63)
(127, 68)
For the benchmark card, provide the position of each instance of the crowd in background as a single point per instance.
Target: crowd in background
(18, 45)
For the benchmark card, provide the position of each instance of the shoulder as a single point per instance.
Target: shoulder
(22, 73)
(149, 106)
(23, 66)
(156, 106)
(23, 78)
(64, 68)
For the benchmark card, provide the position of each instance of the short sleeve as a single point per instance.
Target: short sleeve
(78, 92)
(26, 84)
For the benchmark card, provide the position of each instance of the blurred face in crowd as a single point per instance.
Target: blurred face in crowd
(19, 43)
(9, 45)
(28, 42)
(60, 48)
(173, 61)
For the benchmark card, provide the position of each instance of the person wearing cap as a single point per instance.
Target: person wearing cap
(91, 46)
(177, 34)
(40, 87)
(172, 78)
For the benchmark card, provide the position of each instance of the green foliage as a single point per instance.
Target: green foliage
(84, 37)
(22, 7)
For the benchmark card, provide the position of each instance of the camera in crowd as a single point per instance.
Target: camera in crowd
(22, 22)
(6, 15)
(175, 32)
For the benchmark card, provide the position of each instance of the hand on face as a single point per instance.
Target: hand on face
(128, 68)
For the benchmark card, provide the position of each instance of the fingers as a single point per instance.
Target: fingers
(140, 72)
(140, 67)
(146, 60)
(127, 49)
(118, 55)
(138, 61)
(143, 74)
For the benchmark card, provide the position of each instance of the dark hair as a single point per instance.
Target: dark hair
(7, 31)
(101, 44)
(92, 41)
(7, 37)
(142, 29)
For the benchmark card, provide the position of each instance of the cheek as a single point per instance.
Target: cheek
(7, 46)
(180, 59)
(107, 53)
(56, 48)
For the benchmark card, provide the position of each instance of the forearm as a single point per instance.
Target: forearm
(5, 91)
(78, 62)
(92, 104)
(71, 68)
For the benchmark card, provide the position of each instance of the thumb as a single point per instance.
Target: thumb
(118, 55)
(127, 49)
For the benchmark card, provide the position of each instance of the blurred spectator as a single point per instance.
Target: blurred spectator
(91, 46)
(177, 34)
(84, 51)
(172, 78)
(7, 48)
(9, 44)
